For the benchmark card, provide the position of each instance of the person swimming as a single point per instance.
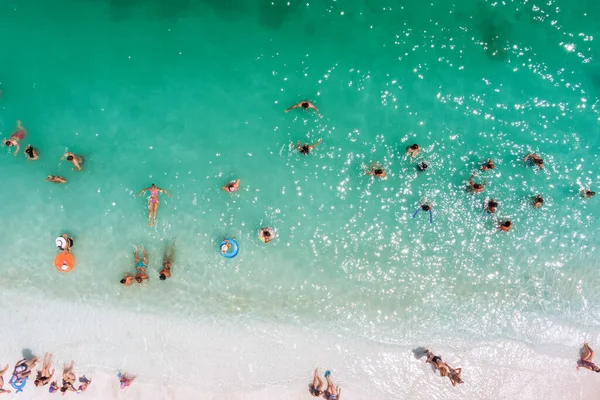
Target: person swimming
(437, 362)
(168, 260)
(376, 170)
(56, 179)
(18, 135)
(476, 187)
(587, 193)
(413, 150)
(427, 207)
(32, 153)
(77, 161)
(538, 201)
(153, 201)
(306, 148)
(586, 359)
(305, 105)
(316, 388)
(537, 160)
(488, 165)
(127, 280)
(422, 166)
(140, 264)
(491, 206)
(44, 376)
(505, 226)
(232, 186)
(266, 234)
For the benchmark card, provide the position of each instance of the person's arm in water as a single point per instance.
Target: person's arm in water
(293, 106)
(316, 144)
(165, 192)
(527, 157)
(17, 147)
(311, 105)
(143, 190)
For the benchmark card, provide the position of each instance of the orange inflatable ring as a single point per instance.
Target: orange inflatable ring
(64, 262)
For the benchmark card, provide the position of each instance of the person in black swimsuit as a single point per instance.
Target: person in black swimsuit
(316, 388)
(437, 362)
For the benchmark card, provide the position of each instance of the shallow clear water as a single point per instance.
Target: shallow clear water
(191, 94)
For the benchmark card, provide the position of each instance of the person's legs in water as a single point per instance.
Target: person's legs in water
(317, 385)
(145, 255)
(136, 256)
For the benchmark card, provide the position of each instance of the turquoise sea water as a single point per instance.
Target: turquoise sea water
(189, 95)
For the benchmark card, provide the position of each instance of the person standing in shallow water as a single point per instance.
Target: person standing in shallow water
(413, 150)
(488, 165)
(376, 170)
(505, 226)
(153, 201)
(305, 105)
(491, 206)
(476, 187)
(76, 160)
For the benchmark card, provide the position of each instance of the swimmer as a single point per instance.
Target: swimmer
(491, 206)
(168, 260)
(44, 376)
(454, 375)
(305, 105)
(505, 226)
(587, 193)
(64, 242)
(127, 280)
(437, 362)
(331, 392)
(76, 160)
(16, 137)
(537, 160)
(232, 186)
(413, 150)
(488, 165)
(376, 170)
(32, 153)
(2, 390)
(153, 201)
(422, 166)
(140, 264)
(538, 201)
(476, 187)
(23, 367)
(225, 246)
(53, 387)
(427, 207)
(56, 179)
(316, 388)
(306, 148)
(266, 234)
(585, 360)
(125, 380)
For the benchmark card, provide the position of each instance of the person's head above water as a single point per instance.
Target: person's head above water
(414, 147)
(8, 143)
(162, 277)
(538, 161)
(492, 203)
(267, 233)
(507, 223)
(123, 281)
(305, 104)
(69, 158)
(378, 171)
(305, 149)
(138, 279)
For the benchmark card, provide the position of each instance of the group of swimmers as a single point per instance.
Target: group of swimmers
(141, 263)
(32, 153)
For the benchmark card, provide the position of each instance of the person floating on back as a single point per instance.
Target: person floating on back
(505, 226)
(585, 360)
(153, 201)
(488, 165)
(232, 186)
(476, 187)
(537, 160)
(306, 148)
(305, 105)
(56, 179)
(425, 206)
(76, 160)
(538, 201)
(413, 150)
(18, 135)
(168, 260)
(587, 193)
(376, 170)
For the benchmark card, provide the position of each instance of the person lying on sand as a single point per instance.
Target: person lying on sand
(68, 378)
(437, 362)
(316, 388)
(454, 375)
(585, 361)
(23, 368)
(331, 392)
(2, 380)
(44, 376)
(125, 379)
